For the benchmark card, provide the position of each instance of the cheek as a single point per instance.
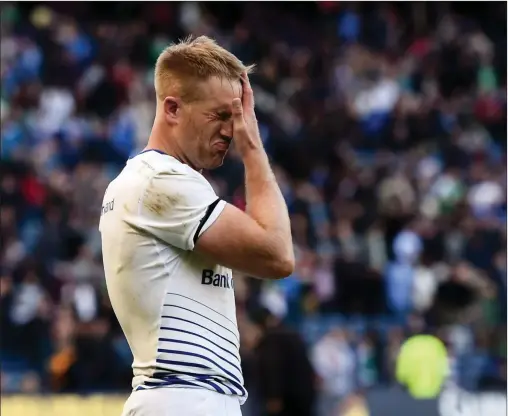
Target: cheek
(212, 130)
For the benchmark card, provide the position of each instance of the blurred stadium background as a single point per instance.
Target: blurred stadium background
(386, 124)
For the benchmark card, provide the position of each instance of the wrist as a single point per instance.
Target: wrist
(254, 154)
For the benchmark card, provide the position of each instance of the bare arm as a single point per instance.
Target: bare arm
(265, 203)
(259, 243)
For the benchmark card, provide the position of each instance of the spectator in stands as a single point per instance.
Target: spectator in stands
(285, 375)
(334, 361)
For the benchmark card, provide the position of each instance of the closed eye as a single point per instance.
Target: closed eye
(224, 115)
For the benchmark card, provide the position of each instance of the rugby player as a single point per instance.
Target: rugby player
(170, 243)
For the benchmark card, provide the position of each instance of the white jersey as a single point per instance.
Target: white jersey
(177, 309)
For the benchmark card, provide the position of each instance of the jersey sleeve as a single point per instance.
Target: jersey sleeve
(177, 208)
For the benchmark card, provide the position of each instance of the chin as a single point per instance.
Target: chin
(215, 163)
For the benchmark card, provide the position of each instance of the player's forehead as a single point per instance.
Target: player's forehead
(220, 92)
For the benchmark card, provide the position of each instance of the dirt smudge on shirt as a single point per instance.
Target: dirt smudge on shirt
(159, 202)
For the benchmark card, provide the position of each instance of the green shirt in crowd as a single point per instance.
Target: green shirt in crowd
(422, 366)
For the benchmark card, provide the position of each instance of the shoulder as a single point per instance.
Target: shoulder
(168, 199)
(158, 162)
(165, 181)
(161, 168)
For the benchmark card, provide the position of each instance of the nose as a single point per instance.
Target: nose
(227, 129)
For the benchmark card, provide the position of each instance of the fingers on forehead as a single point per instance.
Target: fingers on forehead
(246, 89)
(245, 80)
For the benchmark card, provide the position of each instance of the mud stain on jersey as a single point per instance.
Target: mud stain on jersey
(159, 203)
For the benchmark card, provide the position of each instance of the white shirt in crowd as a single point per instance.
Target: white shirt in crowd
(424, 288)
(334, 362)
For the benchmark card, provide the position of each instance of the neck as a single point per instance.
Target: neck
(161, 139)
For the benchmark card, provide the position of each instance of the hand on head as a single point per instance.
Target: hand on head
(245, 125)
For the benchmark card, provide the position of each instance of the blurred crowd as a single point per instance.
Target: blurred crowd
(386, 126)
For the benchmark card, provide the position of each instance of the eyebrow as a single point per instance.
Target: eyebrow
(223, 107)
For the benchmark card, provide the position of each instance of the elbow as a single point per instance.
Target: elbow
(277, 262)
(274, 269)
(283, 267)
(287, 269)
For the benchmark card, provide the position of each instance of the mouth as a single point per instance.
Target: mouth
(223, 144)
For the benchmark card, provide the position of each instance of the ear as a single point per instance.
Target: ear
(172, 110)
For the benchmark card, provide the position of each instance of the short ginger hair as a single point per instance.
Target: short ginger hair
(182, 65)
